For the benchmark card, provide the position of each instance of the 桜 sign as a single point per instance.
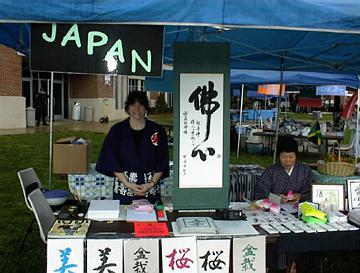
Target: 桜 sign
(201, 130)
(97, 49)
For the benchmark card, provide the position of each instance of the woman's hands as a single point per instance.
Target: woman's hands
(138, 190)
(285, 199)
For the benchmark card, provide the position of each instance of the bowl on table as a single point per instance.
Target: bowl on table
(56, 197)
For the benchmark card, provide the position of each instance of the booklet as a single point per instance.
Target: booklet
(69, 229)
(192, 225)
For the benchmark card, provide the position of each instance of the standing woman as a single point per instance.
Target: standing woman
(135, 152)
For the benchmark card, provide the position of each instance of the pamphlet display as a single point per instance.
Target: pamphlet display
(69, 229)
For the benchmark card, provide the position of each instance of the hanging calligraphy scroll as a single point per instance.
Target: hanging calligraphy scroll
(65, 255)
(249, 254)
(201, 130)
(141, 256)
(104, 255)
(201, 126)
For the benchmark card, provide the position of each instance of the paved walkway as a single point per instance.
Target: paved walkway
(63, 126)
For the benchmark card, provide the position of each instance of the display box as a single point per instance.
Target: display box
(71, 158)
(92, 185)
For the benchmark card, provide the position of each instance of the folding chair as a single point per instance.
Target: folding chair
(42, 211)
(29, 181)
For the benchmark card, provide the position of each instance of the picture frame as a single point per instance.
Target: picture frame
(329, 196)
(353, 190)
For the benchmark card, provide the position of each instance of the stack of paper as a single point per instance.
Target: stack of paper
(104, 209)
(140, 216)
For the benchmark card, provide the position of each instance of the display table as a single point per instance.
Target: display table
(317, 245)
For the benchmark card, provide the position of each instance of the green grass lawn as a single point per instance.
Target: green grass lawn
(307, 116)
(18, 152)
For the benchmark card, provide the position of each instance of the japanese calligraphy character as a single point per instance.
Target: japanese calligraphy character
(180, 263)
(249, 254)
(213, 264)
(65, 267)
(203, 101)
(104, 258)
(141, 260)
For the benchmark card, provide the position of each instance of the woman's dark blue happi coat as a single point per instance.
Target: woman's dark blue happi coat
(119, 154)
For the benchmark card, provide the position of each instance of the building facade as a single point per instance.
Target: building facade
(105, 95)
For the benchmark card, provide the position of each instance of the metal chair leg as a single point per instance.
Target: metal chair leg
(28, 231)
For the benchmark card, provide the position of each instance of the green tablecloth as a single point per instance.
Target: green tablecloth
(329, 179)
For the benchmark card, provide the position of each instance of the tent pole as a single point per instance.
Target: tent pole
(357, 126)
(51, 127)
(277, 109)
(241, 109)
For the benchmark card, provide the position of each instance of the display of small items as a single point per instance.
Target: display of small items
(92, 185)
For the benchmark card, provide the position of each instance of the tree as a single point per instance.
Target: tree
(161, 106)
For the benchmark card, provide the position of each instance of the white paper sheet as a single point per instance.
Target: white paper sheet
(104, 209)
(213, 256)
(65, 254)
(179, 255)
(138, 216)
(121, 216)
(104, 254)
(141, 256)
(249, 254)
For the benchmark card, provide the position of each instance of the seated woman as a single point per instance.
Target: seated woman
(286, 175)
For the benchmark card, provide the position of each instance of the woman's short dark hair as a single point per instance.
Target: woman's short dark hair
(137, 96)
(287, 145)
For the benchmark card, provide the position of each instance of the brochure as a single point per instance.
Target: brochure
(69, 229)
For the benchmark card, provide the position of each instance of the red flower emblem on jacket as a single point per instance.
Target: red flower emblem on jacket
(155, 138)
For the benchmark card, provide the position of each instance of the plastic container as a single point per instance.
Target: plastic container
(88, 113)
(30, 117)
(76, 111)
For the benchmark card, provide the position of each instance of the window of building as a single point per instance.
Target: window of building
(132, 85)
(135, 85)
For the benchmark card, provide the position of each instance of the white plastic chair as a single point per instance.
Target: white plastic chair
(42, 211)
(346, 148)
(29, 181)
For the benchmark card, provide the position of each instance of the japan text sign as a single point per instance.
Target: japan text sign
(97, 48)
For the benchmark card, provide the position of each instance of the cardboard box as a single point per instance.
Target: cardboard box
(71, 158)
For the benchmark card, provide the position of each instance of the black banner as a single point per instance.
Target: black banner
(97, 49)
